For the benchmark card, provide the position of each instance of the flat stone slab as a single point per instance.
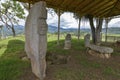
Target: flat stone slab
(95, 50)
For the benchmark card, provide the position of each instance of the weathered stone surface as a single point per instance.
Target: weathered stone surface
(87, 40)
(97, 54)
(25, 58)
(67, 41)
(96, 50)
(36, 38)
(101, 49)
(54, 58)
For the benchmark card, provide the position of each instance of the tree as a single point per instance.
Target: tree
(27, 6)
(78, 17)
(95, 29)
(10, 14)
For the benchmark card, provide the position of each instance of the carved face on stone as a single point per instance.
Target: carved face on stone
(38, 17)
(42, 27)
(68, 37)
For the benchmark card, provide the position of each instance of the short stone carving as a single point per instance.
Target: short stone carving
(67, 41)
(95, 50)
(36, 38)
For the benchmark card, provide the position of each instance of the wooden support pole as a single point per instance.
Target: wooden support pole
(79, 28)
(58, 42)
(106, 22)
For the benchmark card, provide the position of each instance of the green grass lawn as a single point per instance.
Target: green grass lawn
(11, 66)
(81, 65)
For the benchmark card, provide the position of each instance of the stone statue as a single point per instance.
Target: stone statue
(67, 41)
(36, 38)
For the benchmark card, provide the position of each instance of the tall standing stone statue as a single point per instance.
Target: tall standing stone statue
(36, 38)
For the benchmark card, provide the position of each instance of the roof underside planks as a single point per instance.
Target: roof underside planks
(97, 8)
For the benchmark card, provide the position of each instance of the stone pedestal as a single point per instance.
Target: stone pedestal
(67, 41)
(100, 55)
(36, 38)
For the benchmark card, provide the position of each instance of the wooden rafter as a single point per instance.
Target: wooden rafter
(97, 8)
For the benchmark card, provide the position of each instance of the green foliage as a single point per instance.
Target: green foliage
(18, 10)
(55, 11)
(12, 9)
(77, 16)
(10, 14)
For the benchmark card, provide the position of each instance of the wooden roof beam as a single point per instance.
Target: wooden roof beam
(62, 8)
(90, 6)
(103, 7)
(104, 11)
(94, 7)
(83, 5)
(113, 6)
(118, 8)
(98, 6)
(66, 3)
(76, 3)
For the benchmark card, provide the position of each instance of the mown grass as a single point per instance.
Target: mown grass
(68, 74)
(82, 68)
(11, 66)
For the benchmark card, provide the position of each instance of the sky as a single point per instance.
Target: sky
(67, 21)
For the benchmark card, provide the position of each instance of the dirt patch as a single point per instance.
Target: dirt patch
(28, 75)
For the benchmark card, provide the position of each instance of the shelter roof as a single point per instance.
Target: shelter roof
(97, 8)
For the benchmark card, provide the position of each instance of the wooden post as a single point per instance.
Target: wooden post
(106, 22)
(79, 28)
(58, 42)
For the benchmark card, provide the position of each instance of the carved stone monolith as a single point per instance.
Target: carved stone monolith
(36, 38)
(67, 41)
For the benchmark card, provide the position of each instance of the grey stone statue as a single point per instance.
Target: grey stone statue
(36, 38)
(67, 41)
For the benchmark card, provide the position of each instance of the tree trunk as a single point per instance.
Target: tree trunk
(95, 31)
(2, 33)
(58, 27)
(92, 29)
(13, 30)
(79, 29)
(98, 31)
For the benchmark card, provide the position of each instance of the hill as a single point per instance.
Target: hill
(53, 29)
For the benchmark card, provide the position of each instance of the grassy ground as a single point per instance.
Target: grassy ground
(81, 66)
(11, 66)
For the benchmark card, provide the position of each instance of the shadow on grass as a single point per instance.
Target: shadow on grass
(75, 45)
(10, 64)
(13, 48)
